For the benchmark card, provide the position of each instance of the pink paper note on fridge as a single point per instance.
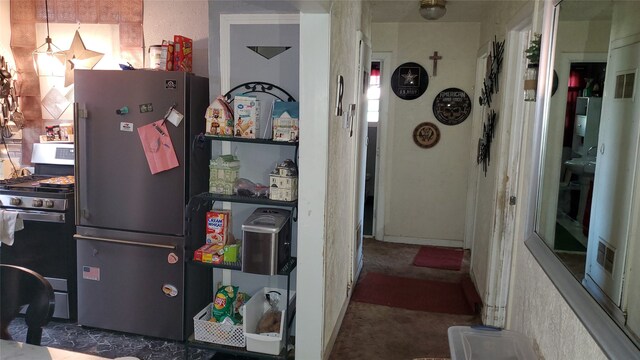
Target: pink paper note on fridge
(158, 147)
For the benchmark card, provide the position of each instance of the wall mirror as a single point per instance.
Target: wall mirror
(589, 199)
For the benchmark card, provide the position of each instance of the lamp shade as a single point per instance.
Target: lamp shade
(432, 9)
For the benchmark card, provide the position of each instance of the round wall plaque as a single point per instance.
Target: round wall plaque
(409, 81)
(426, 135)
(452, 106)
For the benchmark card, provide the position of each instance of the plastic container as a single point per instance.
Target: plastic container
(253, 311)
(155, 56)
(466, 342)
(212, 332)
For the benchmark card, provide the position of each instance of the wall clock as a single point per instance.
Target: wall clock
(409, 81)
(426, 135)
(452, 106)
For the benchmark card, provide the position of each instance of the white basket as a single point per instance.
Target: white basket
(212, 332)
(253, 311)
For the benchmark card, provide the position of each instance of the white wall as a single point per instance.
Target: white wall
(314, 105)
(190, 18)
(426, 188)
(539, 312)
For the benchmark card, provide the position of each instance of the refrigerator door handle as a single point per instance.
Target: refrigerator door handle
(126, 242)
(76, 169)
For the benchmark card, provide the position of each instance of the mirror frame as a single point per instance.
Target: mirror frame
(610, 336)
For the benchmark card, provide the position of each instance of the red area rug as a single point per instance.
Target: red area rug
(439, 258)
(416, 294)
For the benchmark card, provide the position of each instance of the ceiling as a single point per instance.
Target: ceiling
(407, 11)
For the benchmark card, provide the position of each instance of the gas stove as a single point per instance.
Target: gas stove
(50, 189)
(40, 192)
(45, 202)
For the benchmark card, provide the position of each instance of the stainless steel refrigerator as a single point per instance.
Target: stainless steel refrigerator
(131, 223)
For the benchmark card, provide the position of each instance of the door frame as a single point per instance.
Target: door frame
(380, 175)
(512, 107)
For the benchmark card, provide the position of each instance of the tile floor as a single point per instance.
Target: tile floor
(69, 336)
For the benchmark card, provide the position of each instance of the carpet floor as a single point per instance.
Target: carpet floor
(439, 258)
(380, 332)
(412, 294)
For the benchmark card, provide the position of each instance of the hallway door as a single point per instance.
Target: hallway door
(358, 133)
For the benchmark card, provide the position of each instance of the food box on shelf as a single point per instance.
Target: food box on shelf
(246, 113)
(209, 253)
(217, 227)
(182, 53)
(217, 333)
(271, 343)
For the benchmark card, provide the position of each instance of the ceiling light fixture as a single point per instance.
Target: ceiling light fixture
(46, 59)
(432, 9)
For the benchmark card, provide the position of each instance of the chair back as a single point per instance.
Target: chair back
(20, 286)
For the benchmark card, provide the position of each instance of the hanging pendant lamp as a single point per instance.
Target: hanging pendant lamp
(46, 58)
(432, 9)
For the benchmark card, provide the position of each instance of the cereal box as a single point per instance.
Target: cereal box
(182, 53)
(246, 113)
(219, 118)
(218, 223)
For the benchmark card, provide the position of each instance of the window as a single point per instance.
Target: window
(373, 93)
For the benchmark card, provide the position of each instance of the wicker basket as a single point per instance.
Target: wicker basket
(212, 332)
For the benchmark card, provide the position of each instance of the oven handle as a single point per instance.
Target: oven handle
(41, 216)
(126, 242)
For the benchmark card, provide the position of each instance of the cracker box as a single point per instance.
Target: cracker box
(219, 118)
(182, 53)
(209, 253)
(166, 56)
(285, 121)
(246, 113)
(218, 223)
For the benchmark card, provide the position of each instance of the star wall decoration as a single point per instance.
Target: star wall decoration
(78, 57)
(409, 78)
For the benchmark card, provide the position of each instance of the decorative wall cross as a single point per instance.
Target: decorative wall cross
(435, 59)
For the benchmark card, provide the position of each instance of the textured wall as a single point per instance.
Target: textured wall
(345, 20)
(163, 19)
(539, 312)
(426, 189)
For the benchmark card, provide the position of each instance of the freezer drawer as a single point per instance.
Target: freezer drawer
(131, 286)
